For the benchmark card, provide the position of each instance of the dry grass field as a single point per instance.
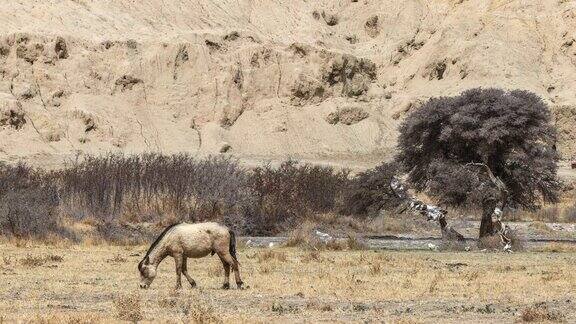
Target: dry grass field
(78, 283)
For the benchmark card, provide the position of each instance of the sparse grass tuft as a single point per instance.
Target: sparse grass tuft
(191, 310)
(540, 313)
(37, 261)
(375, 268)
(128, 307)
(117, 259)
(268, 255)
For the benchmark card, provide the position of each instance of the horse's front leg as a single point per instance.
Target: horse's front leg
(178, 258)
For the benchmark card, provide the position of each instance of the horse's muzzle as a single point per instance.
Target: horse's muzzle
(143, 286)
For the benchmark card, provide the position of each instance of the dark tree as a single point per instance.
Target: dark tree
(369, 191)
(485, 147)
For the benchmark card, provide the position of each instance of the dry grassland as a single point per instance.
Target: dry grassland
(80, 284)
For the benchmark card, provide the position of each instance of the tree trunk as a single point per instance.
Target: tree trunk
(486, 224)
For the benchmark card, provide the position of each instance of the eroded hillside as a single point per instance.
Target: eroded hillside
(326, 80)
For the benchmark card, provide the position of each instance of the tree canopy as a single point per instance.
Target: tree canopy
(442, 143)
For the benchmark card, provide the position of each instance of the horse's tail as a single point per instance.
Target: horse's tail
(233, 245)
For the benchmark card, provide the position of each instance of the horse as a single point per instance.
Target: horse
(182, 241)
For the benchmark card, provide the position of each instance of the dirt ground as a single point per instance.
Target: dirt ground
(100, 283)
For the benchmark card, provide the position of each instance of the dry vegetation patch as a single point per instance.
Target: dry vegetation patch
(540, 313)
(288, 285)
(128, 307)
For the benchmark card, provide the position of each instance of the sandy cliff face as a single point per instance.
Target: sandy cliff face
(323, 80)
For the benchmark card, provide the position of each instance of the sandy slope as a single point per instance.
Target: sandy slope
(263, 77)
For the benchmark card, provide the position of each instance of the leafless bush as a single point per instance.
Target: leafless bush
(152, 184)
(287, 194)
(28, 203)
(116, 191)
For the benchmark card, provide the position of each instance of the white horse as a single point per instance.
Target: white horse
(183, 241)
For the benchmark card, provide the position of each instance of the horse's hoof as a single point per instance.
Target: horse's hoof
(226, 286)
(239, 285)
(193, 284)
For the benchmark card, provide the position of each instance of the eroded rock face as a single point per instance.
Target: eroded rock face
(266, 85)
(61, 48)
(564, 120)
(11, 113)
(347, 116)
(126, 82)
(351, 73)
(372, 26)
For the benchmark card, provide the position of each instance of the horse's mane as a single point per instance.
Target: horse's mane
(160, 237)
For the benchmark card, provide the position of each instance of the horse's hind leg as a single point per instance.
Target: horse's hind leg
(185, 272)
(178, 260)
(226, 266)
(234, 264)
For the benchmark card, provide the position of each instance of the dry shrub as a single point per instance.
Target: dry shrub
(354, 243)
(37, 261)
(492, 242)
(128, 307)
(54, 258)
(266, 269)
(7, 260)
(375, 268)
(28, 203)
(303, 236)
(268, 255)
(280, 308)
(32, 261)
(312, 256)
(193, 189)
(191, 309)
(116, 259)
(333, 245)
(291, 192)
(323, 307)
(540, 313)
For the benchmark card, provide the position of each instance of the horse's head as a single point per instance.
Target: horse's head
(147, 272)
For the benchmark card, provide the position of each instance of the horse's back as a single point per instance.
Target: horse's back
(198, 240)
